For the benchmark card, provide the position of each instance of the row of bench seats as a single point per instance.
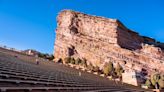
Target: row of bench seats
(19, 73)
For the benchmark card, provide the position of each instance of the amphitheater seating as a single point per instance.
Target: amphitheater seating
(20, 73)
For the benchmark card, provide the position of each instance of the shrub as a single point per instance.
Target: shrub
(148, 83)
(162, 76)
(41, 55)
(46, 56)
(108, 69)
(84, 62)
(161, 83)
(157, 80)
(114, 75)
(154, 79)
(67, 60)
(119, 73)
(78, 61)
(119, 70)
(72, 60)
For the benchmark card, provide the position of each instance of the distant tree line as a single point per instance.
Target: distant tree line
(46, 56)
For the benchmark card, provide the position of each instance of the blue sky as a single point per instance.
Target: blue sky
(31, 23)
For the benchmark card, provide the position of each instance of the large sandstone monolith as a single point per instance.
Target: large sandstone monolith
(101, 40)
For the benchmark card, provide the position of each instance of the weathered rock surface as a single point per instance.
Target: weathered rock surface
(101, 40)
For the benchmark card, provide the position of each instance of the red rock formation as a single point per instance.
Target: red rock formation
(101, 40)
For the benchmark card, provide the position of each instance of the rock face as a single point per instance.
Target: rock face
(100, 40)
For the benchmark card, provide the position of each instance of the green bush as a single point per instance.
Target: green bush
(162, 76)
(119, 70)
(111, 68)
(84, 62)
(154, 78)
(46, 56)
(108, 69)
(67, 60)
(157, 79)
(72, 60)
(148, 83)
(161, 83)
(78, 61)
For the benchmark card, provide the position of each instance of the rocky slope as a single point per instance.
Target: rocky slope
(101, 40)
